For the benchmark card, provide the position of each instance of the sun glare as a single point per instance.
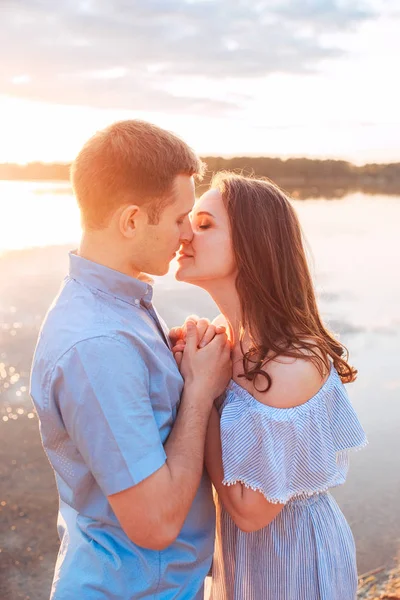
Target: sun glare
(37, 214)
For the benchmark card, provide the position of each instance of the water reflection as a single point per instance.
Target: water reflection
(36, 214)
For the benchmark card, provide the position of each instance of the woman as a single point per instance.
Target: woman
(280, 437)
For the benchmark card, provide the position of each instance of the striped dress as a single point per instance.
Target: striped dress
(292, 456)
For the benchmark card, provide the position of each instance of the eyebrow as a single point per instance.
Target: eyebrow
(204, 212)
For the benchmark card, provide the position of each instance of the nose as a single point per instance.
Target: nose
(186, 233)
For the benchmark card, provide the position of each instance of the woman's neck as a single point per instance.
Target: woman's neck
(225, 296)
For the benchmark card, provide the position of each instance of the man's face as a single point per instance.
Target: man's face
(156, 245)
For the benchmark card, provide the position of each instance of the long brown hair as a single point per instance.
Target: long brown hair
(277, 298)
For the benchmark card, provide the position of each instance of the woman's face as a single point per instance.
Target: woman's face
(209, 257)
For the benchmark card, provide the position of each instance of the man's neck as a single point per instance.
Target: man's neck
(97, 249)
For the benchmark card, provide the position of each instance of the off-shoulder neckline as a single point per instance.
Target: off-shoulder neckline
(244, 394)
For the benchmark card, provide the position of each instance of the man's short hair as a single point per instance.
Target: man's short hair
(129, 161)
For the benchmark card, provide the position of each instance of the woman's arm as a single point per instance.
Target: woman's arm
(249, 509)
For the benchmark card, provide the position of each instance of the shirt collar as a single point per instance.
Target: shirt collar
(110, 281)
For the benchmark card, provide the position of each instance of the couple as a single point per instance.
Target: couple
(130, 412)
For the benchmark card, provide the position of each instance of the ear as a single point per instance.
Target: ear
(129, 219)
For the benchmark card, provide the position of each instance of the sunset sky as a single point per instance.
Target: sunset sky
(280, 77)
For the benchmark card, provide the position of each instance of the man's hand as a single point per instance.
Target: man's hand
(206, 332)
(177, 334)
(208, 368)
(153, 511)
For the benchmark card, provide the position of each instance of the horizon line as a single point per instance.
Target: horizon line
(224, 157)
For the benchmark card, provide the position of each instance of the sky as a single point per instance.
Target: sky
(316, 78)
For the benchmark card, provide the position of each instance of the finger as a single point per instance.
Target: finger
(179, 347)
(175, 331)
(222, 338)
(202, 325)
(193, 318)
(191, 336)
(225, 343)
(178, 358)
(175, 334)
(218, 342)
(180, 343)
(208, 336)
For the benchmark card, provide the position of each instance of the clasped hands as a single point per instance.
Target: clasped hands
(206, 332)
(203, 354)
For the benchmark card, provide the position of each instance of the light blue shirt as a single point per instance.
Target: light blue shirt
(106, 389)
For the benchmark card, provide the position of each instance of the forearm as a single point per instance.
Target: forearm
(180, 477)
(185, 453)
(231, 496)
(152, 512)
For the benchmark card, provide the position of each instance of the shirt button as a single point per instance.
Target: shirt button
(136, 301)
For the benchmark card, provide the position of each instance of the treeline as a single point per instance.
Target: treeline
(304, 178)
(301, 177)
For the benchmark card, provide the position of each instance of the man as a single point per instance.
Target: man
(136, 515)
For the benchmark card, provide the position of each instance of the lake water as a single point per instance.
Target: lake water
(355, 248)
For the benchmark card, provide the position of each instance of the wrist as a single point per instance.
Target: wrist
(195, 393)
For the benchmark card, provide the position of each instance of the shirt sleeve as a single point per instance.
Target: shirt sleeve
(102, 389)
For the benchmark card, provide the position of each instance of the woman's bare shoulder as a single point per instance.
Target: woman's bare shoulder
(294, 382)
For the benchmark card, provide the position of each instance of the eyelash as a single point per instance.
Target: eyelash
(204, 226)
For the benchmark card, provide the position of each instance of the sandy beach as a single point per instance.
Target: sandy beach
(28, 497)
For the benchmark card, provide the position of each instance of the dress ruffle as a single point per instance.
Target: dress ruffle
(286, 453)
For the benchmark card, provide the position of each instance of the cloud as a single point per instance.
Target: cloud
(128, 54)
(329, 14)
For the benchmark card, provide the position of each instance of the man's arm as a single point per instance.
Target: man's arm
(101, 387)
(152, 513)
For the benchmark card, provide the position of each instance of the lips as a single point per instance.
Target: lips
(184, 255)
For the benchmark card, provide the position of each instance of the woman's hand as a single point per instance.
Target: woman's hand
(178, 334)
(206, 332)
(206, 369)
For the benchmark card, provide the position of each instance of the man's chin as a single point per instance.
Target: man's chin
(161, 271)
(158, 271)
